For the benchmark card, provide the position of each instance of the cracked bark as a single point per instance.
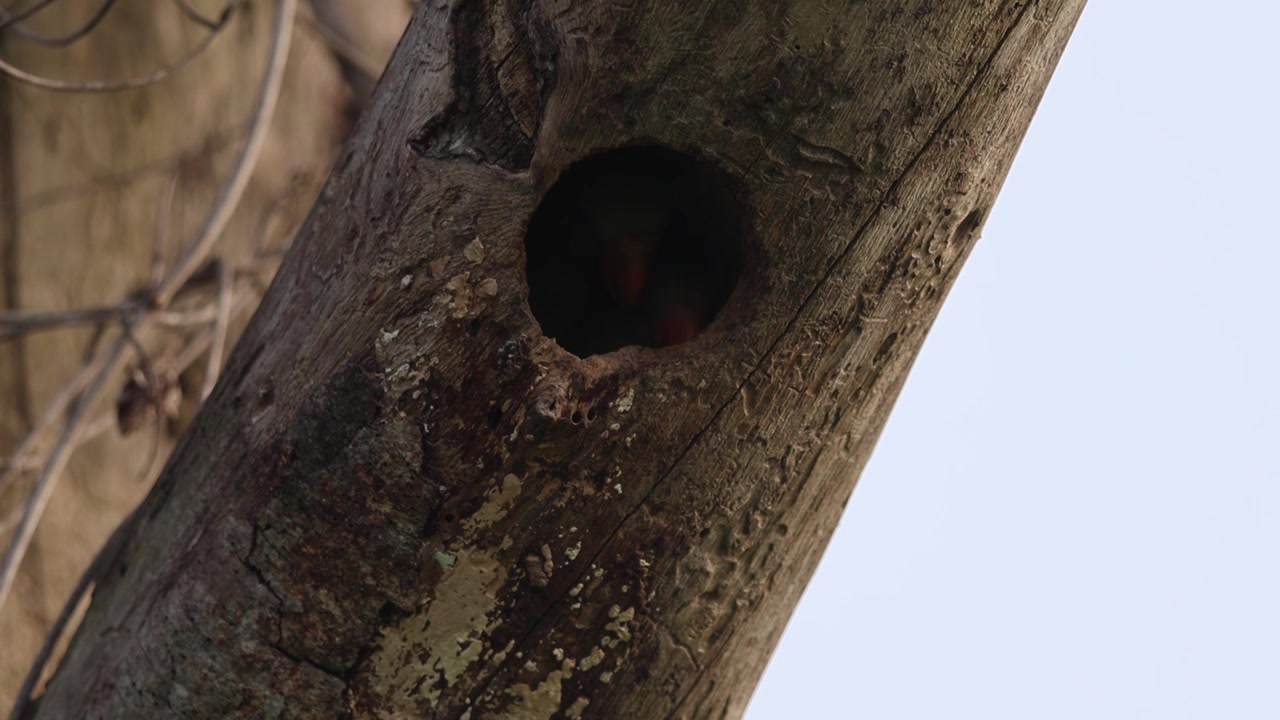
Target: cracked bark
(402, 500)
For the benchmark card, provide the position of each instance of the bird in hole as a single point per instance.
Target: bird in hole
(677, 300)
(630, 270)
(662, 285)
(650, 262)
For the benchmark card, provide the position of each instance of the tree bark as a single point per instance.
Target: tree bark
(403, 500)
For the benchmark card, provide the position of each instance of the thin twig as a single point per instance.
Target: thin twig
(89, 576)
(206, 314)
(102, 86)
(343, 47)
(95, 341)
(214, 142)
(69, 38)
(224, 205)
(195, 16)
(75, 432)
(181, 361)
(105, 422)
(202, 315)
(193, 350)
(53, 466)
(51, 413)
(164, 213)
(296, 183)
(18, 323)
(156, 388)
(15, 322)
(6, 19)
(46, 648)
(220, 324)
(229, 197)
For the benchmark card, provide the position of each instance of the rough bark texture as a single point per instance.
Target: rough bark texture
(81, 178)
(403, 501)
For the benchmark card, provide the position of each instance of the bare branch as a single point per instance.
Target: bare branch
(227, 200)
(199, 19)
(110, 85)
(278, 203)
(6, 19)
(54, 464)
(50, 640)
(177, 320)
(14, 323)
(91, 430)
(220, 324)
(163, 222)
(62, 40)
(185, 358)
(193, 350)
(101, 369)
(214, 142)
(341, 45)
(51, 413)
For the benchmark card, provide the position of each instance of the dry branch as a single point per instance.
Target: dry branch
(107, 86)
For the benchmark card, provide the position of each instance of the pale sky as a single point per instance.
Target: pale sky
(1074, 511)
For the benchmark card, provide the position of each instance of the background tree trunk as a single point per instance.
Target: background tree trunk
(403, 500)
(83, 178)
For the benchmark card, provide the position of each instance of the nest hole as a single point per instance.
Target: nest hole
(636, 246)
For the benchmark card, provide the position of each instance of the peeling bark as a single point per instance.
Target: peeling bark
(402, 500)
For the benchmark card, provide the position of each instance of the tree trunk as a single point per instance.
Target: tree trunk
(404, 500)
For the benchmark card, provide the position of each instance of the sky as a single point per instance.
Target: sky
(1074, 510)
